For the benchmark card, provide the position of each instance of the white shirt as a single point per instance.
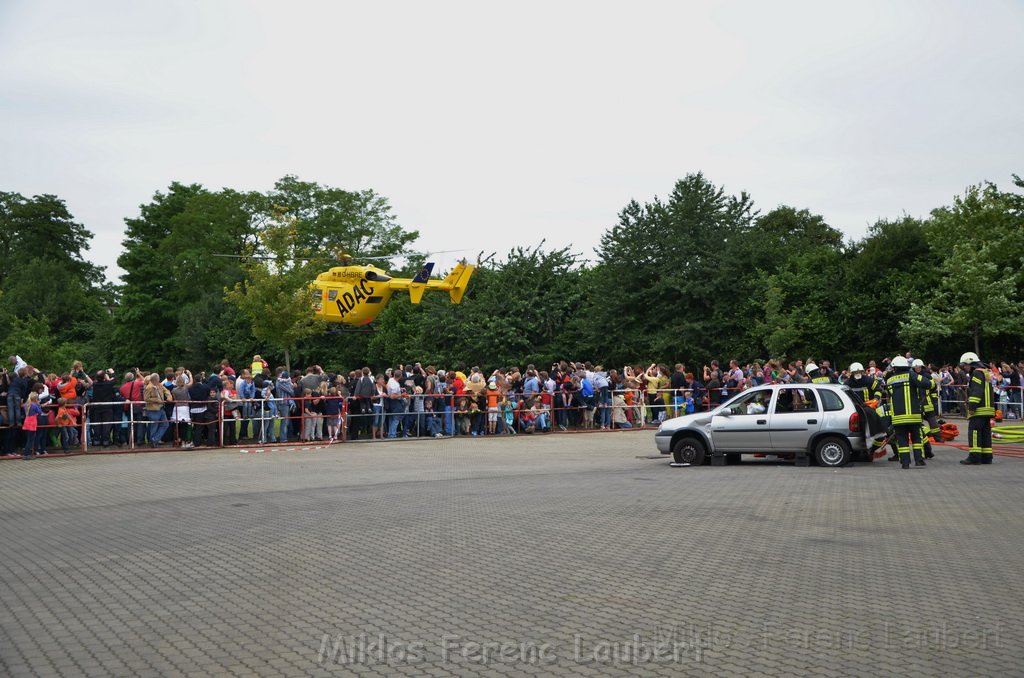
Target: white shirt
(394, 388)
(18, 364)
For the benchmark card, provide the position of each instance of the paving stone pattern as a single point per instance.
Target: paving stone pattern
(553, 555)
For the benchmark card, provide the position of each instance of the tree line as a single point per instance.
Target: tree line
(696, 275)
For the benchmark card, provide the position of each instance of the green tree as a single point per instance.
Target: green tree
(332, 220)
(802, 304)
(31, 337)
(172, 308)
(302, 227)
(892, 266)
(663, 270)
(46, 277)
(146, 319)
(275, 296)
(980, 241)
(789, 297)
(515, 310)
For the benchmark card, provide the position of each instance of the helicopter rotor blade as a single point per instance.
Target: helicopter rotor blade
(266, 258)
(409, 253)
(345, 257)
(243, 256)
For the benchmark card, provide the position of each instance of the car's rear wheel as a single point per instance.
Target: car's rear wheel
(688, 451)
(832, 452)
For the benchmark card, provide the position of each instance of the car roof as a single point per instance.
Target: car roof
(775, 387)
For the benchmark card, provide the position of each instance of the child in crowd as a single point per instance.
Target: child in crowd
(508, 415)
(332, 414)
(416, 409)
(30, 424)
(527, 419)
(432, 418)
(493, 410)
(67, 419)
(319, 396)
(380, 392)
(540, 414)
(620, 410)
(270, 413)
(688, 405)
(232, 411)
(462, 416)
(474, 415)
(309, 416)
(181, 414)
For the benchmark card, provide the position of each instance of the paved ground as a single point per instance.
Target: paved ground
(560, 554)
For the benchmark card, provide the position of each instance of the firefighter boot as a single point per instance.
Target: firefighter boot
(971, 460)
(904, 459)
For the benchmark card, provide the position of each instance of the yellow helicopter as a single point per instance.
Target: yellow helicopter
(356, 294)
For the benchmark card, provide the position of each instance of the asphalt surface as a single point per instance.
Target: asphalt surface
(563, 554)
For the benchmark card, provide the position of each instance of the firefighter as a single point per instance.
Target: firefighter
(906, 388)
(869, 391)
(929, 408)
(981, 409)
(863, 385)
(817, 375)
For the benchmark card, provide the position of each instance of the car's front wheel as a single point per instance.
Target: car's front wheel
(832, 452)
(688, 451)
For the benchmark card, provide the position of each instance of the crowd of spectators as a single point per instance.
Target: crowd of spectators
(41, 410)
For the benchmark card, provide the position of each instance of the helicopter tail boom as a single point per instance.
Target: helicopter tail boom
(455, 283)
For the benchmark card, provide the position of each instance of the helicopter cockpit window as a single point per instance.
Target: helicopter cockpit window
(332, 295)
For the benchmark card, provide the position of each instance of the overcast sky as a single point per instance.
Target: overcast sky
(490, 125)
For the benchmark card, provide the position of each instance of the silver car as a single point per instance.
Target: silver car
(793, 420)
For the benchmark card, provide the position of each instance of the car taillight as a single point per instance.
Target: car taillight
(855, 422)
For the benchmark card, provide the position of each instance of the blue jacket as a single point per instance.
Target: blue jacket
(531, 386)
(586, 388)
(246, 390)
(285, 392)
(19, 387)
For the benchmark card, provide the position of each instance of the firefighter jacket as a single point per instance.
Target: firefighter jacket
(979, 394)
(819, 376)
(865, 387)
(906, 391)
(931, 396)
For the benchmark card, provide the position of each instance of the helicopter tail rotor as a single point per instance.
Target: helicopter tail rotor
(457, 281)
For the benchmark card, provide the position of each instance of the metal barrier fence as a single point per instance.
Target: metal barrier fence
(128, 426)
